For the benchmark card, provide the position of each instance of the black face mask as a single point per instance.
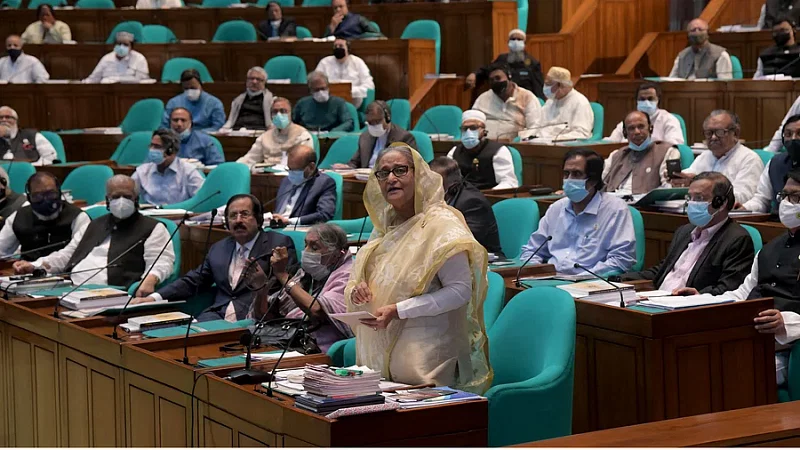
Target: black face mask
(781, 38)
(46, 208)
(793, 148)
(14, 53)
(499, 87)
(339, 53)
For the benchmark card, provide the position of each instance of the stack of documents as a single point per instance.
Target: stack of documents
(27, 284)
(156, 321)
(419, 398)
(331, 388)
(690, 301)
(601, 292)
(95, 298)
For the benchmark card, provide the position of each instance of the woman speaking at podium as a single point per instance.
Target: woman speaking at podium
(423, 276)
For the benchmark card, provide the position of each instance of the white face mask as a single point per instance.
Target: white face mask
(376, 131)
(192, 94)
(122, 207)
(789, 214)
(321, 96)
(516, 45)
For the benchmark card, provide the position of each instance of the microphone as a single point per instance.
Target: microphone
(539, 127)
(519, 271)
(363, 224)
(61, 274)
(621, 300)
(33, 250)
(553, 142)
(55, 308)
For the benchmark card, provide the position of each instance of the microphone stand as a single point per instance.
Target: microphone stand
(616, 288)
(519, 272)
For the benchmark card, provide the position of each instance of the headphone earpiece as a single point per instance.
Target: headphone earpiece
(720, 200)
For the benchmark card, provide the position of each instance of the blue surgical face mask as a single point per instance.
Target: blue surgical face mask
(470, 138)
(575, 190)
(647, 107)
(698, 213)
(296, 177)
(155, 156)
(121, 50)
(641, 147)
(280, 120)
(548, 92)
(185, 134)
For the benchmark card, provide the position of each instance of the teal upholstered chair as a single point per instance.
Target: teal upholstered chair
(683, 126)
(355, 226)
(95, 4)
(57, 143)
(298, 238)
(283, 3)
(517, 219)
(133, 149)
(96, 211)
(495, 299)
(217, 144)
(791, 391)
(340, 151)
(218, 3)
(343, 353)
(354, 115)
(235, 31)
(424, 145)
(144, 115)
(88, 182)
(158, 34)
(132, 26)
(736, 68)
(425, 29)
(440, 119)
(175, 66)
(316, 3)
(522, 15)
(11, 4)
(35, 3)
(516, 158)
(599, 117)
(361, 125)
(18, 174)
(765, 155)
(229, 178)
(337, 215)
(755, 235)
(532, 352)
(638, 230)
(286, 67)
(315, 141)
(687, 156)
(401, 112)
(303, 33)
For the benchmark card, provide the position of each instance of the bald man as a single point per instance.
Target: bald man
(18, 67)
(640, 166)
(305, 196)
(702, 59)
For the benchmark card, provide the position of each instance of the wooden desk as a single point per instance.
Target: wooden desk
(473, 33)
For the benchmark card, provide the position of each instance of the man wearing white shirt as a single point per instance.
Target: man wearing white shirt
(158, 4)
(344, 67)
(726, 155)
(702, 59)
(18, 67)
(509, 108)
(567, 114)
(26, 144)
(485, 163)
(774, 175)
(777, 142)
(665, 125)
(123, 64)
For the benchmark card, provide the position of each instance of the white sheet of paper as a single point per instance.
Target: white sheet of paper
(648, 294)
(353, 319)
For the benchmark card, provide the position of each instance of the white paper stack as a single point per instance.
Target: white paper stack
(324, 381)
(600, 291)
(95, 298)
(690, 301)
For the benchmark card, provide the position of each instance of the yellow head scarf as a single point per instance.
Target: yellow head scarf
(401, 260)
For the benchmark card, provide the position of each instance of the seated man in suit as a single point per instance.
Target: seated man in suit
(485, 163)
(43, 229)
(306, 196)
(319, 111)
(380, 133)
(227, 261)
(588, 227)
(194, 144)
(10, 201)
(712, 253)
(465, 197)
(640, 166)
(135, 239)
(166, 179)
(277, 25)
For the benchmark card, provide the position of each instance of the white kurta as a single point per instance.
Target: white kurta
(566, 119)
(26, 69)
(776, 143)
(9, 242)
(353, 70)
(158, 4)
(741, 165)
(132, 67)
(503, 165)
(762, 200)
(665, 128)
(724, 68)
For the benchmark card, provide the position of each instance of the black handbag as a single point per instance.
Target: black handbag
(283, 333)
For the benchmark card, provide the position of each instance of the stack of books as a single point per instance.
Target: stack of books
(330, 388)
(156, 321)
(600, 291)
(95, 298)
(418, 398)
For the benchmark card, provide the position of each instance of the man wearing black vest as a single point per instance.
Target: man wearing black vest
(774, 175)
(46, 229)
(10, 201)
(781, 58)
(26, 144)
(485, 163)
(111, 235)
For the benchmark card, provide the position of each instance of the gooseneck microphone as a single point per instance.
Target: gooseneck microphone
(519, 272)
(616, 288)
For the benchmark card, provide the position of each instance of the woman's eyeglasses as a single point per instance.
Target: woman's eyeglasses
(399, 172)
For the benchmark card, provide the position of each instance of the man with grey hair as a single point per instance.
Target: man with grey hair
(726, 155)
(250, 109)
(320, 111)
(124, 64)
(18, 67)
(702, 59)
(166, 179)
(26, 144)
(526, 71)
(10, 201)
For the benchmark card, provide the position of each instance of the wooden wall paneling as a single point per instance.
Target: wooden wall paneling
(220, 429)
(544, 16)
(5, 368)
(746, 46)
(504, 19)
(156, 415)
(760, 106)
(91, 400)
(442, 91)
(33, 403)
(569, 8)
(731, 12)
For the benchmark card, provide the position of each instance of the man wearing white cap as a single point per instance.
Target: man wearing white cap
(526, 71)
(567, 115)
(123, 64)
(484, 163)
(509, 108)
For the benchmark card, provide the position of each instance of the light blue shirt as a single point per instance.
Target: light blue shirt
(600, 238)
(380, 144)
(199, 146)
(207, 112)
(179, 182)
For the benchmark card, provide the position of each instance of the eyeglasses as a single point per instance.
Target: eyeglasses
(399, 172)
(243, 214)
(793, 197)
(720, 133)
(789, 134)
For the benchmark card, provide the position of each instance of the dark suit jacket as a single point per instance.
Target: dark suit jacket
(317, 200)
(288, 27)
(366, 143)
(723, 265)
(215, 270)
(477, 211)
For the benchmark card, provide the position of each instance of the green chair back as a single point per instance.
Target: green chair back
(354, 114)
(401, 112)
(18, 174)
(283, 3)
(133, 149)
(12, 4)
(424, 145)
(354, 226)
(361, 125)
(230, 178)
(441, 119)
(158, 34)
(286, 67)
(298, 237)
(522, 15)
(516, 158)
(235, 31)
(343, 353)
(736, 68)
(755, 235)
(792, 390)
(599, 116)
(687, 156)
(425, 29)
(341, 151)
(765, 155)
(517, 219)
(176, 247)
(96, 211)
(132, 26)
(144, 115)
(495, 299)
(337, 214)
(683, 126)
(303, 33)
(315, 141)
(375, 26)
(88, 182)
(217, 143)
(532, 352)
(35, 3)
(638, 230)
(57, 143)
(175, 66)
(95, 4)
(316, 3)
(218, 3)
